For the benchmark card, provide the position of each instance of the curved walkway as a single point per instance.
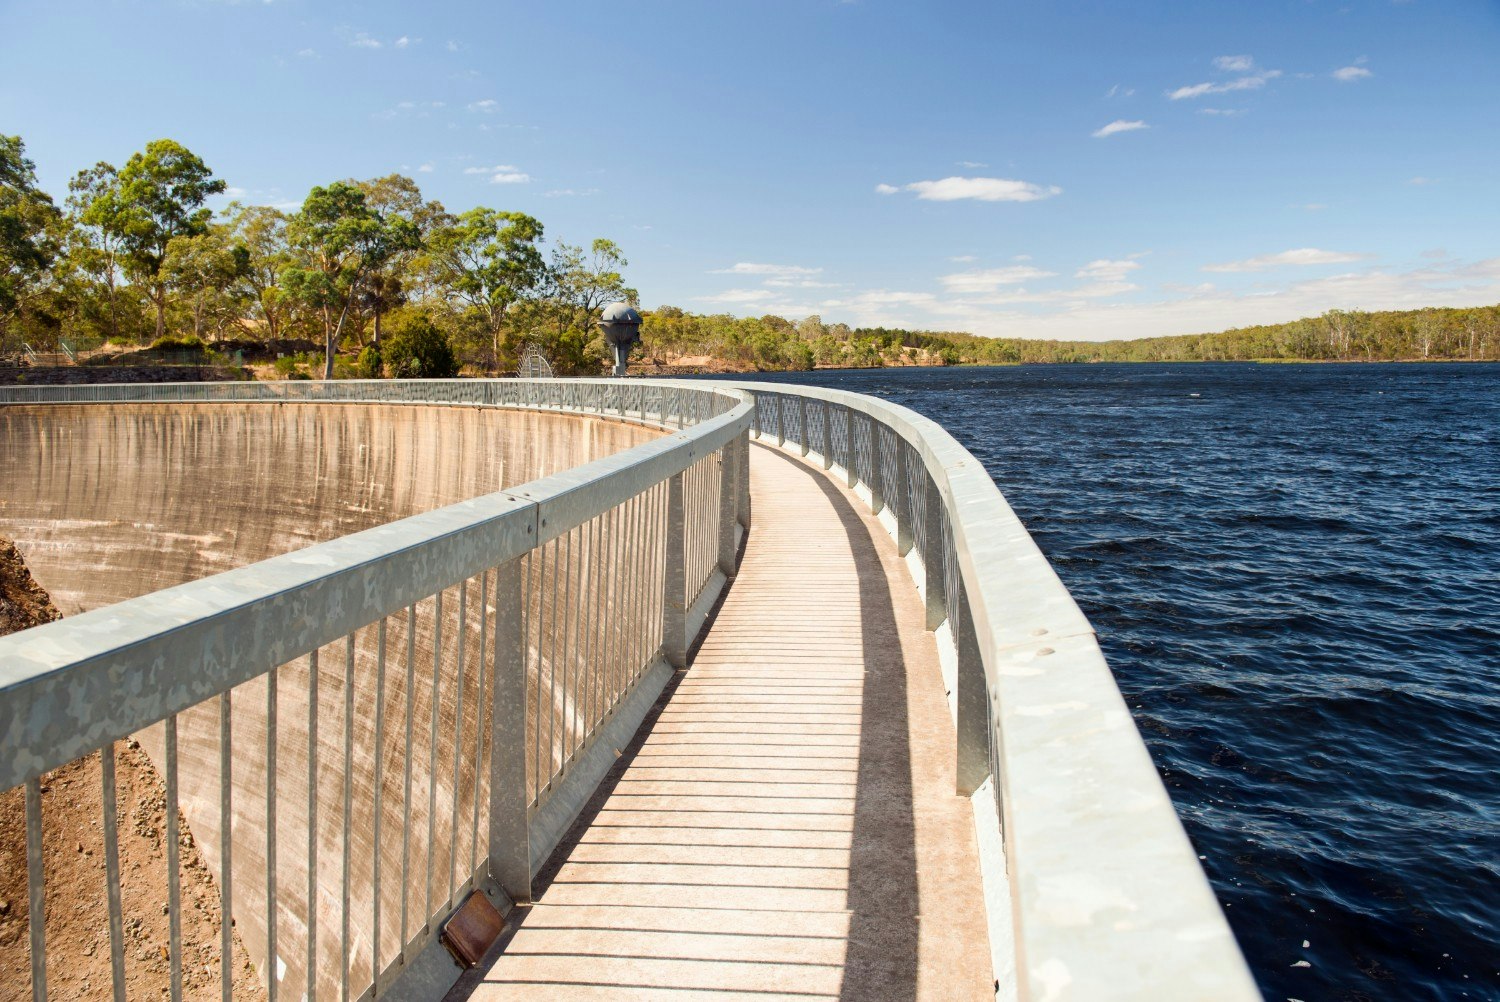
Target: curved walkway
(784, 824)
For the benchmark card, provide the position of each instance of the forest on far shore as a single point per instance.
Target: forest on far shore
(369, 278)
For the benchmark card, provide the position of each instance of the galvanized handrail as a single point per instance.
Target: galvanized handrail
(580, 646)
(1093, 889)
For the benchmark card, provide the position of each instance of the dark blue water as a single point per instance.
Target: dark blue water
(1294, 571)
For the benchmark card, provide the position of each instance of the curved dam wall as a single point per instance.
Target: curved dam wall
(112, 501)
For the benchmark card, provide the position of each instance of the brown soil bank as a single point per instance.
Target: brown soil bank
(77, 923)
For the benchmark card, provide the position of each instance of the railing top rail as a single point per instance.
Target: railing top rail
(1106, 888)
(69, 687)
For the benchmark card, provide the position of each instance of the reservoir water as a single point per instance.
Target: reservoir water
(1294, 571)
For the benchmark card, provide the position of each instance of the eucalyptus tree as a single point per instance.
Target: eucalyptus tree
(489, 261)
(205, 271)
(581, 283)
(397, 196)
(95, 255)
(156, 197)
(342, 242)
(29, 230)
(261, 230)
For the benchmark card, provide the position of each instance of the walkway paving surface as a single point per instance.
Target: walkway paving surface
(785, 826)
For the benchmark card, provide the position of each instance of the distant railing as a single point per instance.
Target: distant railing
(1092, 887)
(492, 654)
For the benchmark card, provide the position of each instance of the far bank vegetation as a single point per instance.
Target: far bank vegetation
(370, 278)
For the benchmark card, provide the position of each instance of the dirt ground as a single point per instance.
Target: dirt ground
(77, 929)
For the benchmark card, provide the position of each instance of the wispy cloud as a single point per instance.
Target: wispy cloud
(405, 41)
(971, 164)
(453, 46)
(1349, 74)
(991, 279)
(773, 270)
(497, 169)
(1221, 111)
(426, 168)
(1119, 91)
(1106, 270)
(981, 189)
(1300, 257)
(1251, 78)
(307, 53)
(1234, 64)
(1419, 180)
(570, 192)
(362, 40)
(1117, 126)
(488, 106)
(964, 259)
(510, 177)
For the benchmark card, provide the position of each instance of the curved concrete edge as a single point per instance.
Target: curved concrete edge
(1107, 898)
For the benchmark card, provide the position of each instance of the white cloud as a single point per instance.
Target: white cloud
(510, 177)
(234, 192)
(1105, 270)
(569, 192)
(886, 189)
(364, 41)
(773, 270)
(982, 189)
(964, 259)
(307, 53)
(453, 46)
(1419, 180)
(406, 40)
(426, 168)
(739, 297)
(497, 169)
(1221, 111)
(971, 164)
(1314, 206)
(798, 283)
(1253, 82)
(1301, 257)
(990, 279)
(1118, 91)
(1235, 64)
(1117, 126)
(487, 105)
(1349, 74)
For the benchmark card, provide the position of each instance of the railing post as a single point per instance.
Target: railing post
(972, 754)
(674, 582)
(729, 498)
(851, 477)
(510, 844)
(780, 420)
(877, 469)
(904, 538)
(932, 551)
(742, 455)
(827, 435)
(805, 444)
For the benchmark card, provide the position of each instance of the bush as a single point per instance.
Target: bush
(416, 349)
(369, 365)
(178, 342)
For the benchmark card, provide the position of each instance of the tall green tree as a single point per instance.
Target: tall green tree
(29, 230)
(343, 242)
(261, 231)
(581, 284)
(157, 196)
(205, 272)
(406, 271)
(489, 261)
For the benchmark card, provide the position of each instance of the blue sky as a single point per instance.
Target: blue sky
(1048, 168)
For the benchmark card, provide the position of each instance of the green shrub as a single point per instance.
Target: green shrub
(418, 350)
(178, 342)
(369, 365)
(286, 365)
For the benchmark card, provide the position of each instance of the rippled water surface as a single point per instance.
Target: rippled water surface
(1294, 571)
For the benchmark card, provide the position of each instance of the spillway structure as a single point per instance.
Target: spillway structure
(396, 644)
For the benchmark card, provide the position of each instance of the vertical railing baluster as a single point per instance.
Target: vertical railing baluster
(934, 585)
(479, 723)
(674, 587)
(509, 845)
(458, 733)
(411, 684)
(432, 763)
(344, 945)
(539, 555)
(226, 843)
(904, 536)
(971, 699)
(729, 470)
(174, 877)
(36, 891)
(312, 827)
(272, 977)
(112, 872)
(378, 841)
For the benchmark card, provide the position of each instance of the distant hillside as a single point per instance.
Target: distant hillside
(772, 343)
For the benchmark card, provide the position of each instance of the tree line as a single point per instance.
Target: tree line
(134, 256)
(387, 282)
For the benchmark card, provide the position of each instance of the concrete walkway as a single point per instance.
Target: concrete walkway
(785, 824)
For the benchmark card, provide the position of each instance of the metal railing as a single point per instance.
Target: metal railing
(1092, 887)
(421, 708)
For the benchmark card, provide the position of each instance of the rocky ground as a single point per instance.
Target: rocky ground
(77, 931)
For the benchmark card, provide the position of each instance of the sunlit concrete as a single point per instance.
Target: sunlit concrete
(786, 825)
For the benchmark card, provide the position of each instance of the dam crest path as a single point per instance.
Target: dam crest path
(784, 825)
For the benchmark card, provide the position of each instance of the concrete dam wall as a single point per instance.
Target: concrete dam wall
(112, 502)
